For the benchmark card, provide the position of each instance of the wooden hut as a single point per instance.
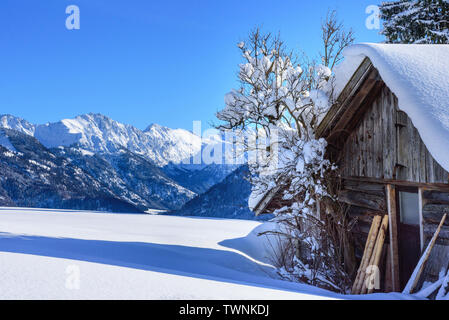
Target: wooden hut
(391, 144)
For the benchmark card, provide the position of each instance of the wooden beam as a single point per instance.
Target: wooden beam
(360, 186)
(360, 103)
(426, 186)
(394, 247)
(364, 200)
(342, 101)
(353, 113)
(266, 199)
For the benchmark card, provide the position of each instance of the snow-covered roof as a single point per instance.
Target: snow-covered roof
(419, 76)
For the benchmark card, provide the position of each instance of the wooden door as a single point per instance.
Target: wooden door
(409, 237)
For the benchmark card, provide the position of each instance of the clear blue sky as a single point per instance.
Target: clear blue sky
(144, 61)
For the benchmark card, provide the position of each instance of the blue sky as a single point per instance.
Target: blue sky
(144, 61)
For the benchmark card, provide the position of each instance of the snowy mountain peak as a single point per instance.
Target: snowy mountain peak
(98, 133)
(11, 122)
(153, 127)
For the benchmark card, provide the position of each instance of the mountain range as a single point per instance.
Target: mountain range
(92, 162)
(100, 134)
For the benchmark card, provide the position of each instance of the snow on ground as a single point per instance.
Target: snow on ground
(49, 254)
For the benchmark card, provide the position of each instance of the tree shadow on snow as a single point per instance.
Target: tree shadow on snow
(203, 263)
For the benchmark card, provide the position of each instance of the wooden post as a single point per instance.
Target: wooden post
(388, 281)
(421, 222)
(394, 248)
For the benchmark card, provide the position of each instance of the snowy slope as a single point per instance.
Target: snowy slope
(119, 256)
(131, 178)
(418, 76)
(4, 141)
(227, 199)
(199, 179)
(173, 145)
(129, 256)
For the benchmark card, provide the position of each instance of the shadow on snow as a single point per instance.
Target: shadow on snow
(202, 263)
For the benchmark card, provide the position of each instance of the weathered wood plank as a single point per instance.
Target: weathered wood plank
(430, 169)
(441, 176)
(369, 140)
(438, 261)
(376, 136)
(401, 118)
(421, 220)
(432, 213)
(422, 161)
(434, 186)
(415, 156)
(388, 139)
(362, 214)
(378, 141)
(388, 283)
(430, 228)
(358, 105)
(394, 244)
(362, 228)
(404, 160)
(363, 200)
(437, 197)
(413, 282)
(366, 187)
(358, 78)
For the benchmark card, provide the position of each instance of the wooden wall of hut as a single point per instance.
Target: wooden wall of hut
(385, 148)
(365, 200)
(385, 145)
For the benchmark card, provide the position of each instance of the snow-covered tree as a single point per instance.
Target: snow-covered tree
(281, 103)
(416, 21)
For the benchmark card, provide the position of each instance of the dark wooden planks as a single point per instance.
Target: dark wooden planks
(388, 135)
(364, 200)
(385, 145)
